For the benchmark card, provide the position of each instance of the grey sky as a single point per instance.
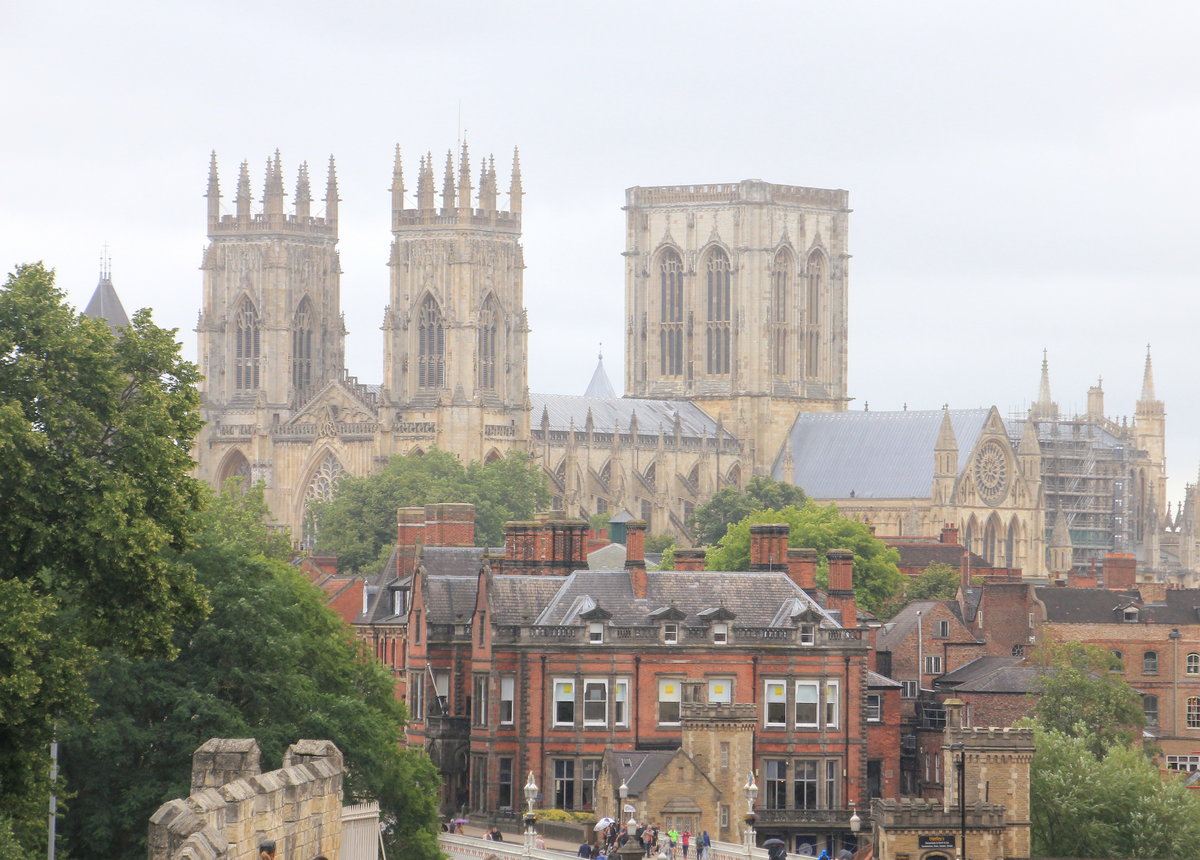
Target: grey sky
(1023, 174)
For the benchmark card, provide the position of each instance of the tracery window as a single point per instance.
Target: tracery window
(670, 271)
(812, 315)
(320, 488)
(781, 289)
(488, 319)
(431, 345)
(302, 346)
(719, 280)
(247, 347)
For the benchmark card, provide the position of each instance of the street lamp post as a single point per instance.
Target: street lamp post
(631, 824)
(750, 790)
(959, 751)
(531, 791)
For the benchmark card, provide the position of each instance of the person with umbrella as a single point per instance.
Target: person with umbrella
(776, 849)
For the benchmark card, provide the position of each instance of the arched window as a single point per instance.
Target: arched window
(812, 314)
(781, 298)
(1150, 709)
(320, 489)
(651, 475)
(1193, 712)
(1150, 663)
(1010, 545)
(734, 476)
(247, 347)
(431, 346)
(1193, 664)
(670, 273)
(719, 277)
(302, 346)
(489, 318)
(235, 466)
(990, 539)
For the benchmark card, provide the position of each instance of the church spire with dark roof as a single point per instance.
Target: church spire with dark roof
(600, 386)
(105, 304)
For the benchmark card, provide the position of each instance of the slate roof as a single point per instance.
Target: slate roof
(600, 386)
(1101, 606)
(922, 555)
(453, 560)
(755, 599)
(877, 455)
(104, 304)
(875, 681)
(990, 675)
(519, 599)
(637, 769)
(895, 631)
(450, 599)
(610, 414)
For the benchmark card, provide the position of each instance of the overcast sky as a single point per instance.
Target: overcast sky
(1023, 174)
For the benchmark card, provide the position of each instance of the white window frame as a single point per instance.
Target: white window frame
(812, 698)
(480, 702)
(933, 664)
(808, 634)
(596, 633)
(720, 691)
(441, 690)
(833, 702)
(621, 702)
(941, 629)
(564, 691)
(720, 634)
(775, 693)
(670, 690)
(909, 689)
(508, 689)
(874, 707)
(595, 684)
(670, 633)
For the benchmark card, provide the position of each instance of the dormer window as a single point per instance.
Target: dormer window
(1130, 614)
(596, 633)
(808, 634)
(399, 601)
(720, 634)
(671, 633)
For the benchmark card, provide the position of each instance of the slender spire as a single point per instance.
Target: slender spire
(214, 189)
(464, 178)
(1044, 409)
(104, 303)
(303, 193)
(425, 182)
(487, 185)
(397, 188)
(243, 192)
(1148, 379)
(600, 385)
(273, 189)
(448, 182)
(331, 193)
(514, 190)
(946, 440)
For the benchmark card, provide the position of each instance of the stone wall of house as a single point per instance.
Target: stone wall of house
(233, 806)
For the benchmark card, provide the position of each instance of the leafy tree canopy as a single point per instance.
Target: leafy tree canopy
(95, 504)
(1116, 806)
(876, 576)
(1081, 694)
(730, 505)
(937, 582)
(359, 523)
(271, 662)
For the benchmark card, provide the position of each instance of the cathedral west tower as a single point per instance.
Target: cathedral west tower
(736, 300)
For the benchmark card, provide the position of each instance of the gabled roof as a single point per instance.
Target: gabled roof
(990, 675)
(105, 305)
(875, 455)
(637, 769)
(905, 621)
(877, 681)
(922, 555)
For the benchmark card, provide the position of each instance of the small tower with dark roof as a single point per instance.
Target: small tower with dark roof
(104, 303)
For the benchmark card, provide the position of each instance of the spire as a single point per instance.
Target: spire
(514, 190)
(448, 182)
(1044, 409)
(397, 188)
(464, 178)
(331, 194)
(946, 440)
(243, 192)
(273, 190)
(214, 189)
(1147, 380)
(487, 185)
(303, 193)
(425, 182)
(104, 303)
(1060, 548)
(600, 386)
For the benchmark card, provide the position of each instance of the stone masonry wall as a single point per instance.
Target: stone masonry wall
(233, 806)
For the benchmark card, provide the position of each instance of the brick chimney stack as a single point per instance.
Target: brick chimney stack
(949, 534)
(1120, 571)
(768, 546)
(450, 525)
(635, 544)
(689, 559)
(841, 585)
(802, 567)
(410, 536)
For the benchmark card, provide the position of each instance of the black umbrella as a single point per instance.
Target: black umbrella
(771, 843)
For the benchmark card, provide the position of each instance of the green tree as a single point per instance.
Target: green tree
(876, 577)
(1081, 694)
(359, 523)
(270, 662)
(936, 582)
(1117, 805)
(95, 435)
(730, 505)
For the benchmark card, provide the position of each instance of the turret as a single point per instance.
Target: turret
(214, 191)
(1095, 400)
(303, 193)
(273, 187)
(464, 179)
(1029, 455)
(487, 186)
(514, 190)
(1060, 550)
(425, 183)
(945, 461)
(1044, 409)
(243, 193)
(331, 194)
(397, 188)
(448, 184)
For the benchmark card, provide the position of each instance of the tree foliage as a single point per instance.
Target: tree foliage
(1118, 805)
(1081, 694)
(730, 505)
(95, 504)
(876, 576)
(271, 662)
(936, 582)
(359, 523)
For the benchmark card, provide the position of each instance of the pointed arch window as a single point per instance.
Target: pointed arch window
(781, 297)
(815, 289)
(247, 347)
(431, 345)
(670, 274)
(302, 346)
(486, 348)
(320, 489)
(719, 279)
